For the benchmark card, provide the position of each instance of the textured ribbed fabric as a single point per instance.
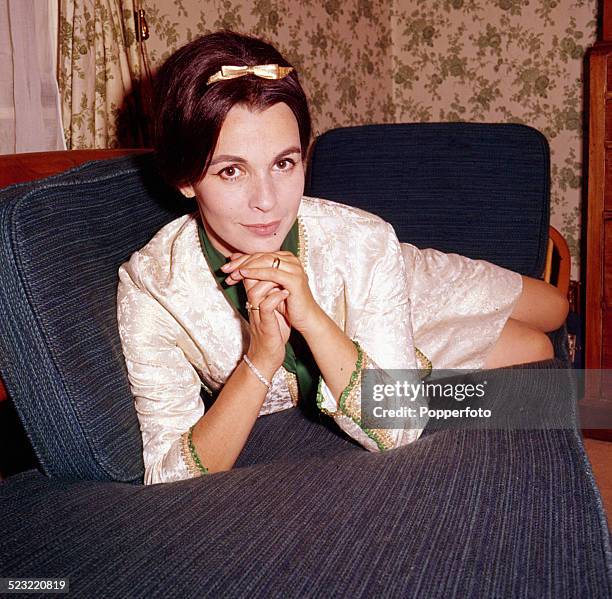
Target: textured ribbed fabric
(480, 190)
(469, 514)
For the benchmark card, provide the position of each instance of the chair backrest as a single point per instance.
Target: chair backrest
(62, 240)
(481, 190)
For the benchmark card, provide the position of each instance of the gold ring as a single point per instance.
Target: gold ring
(276, 263)
(250, 307)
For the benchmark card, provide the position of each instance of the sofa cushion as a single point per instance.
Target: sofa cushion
(481, 190)
(62, 242)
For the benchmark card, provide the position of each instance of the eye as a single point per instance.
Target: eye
(286, 164)
(230, 171)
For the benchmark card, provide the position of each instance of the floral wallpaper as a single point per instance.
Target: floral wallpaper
(513, 61)
(362, 61)
(341, 48)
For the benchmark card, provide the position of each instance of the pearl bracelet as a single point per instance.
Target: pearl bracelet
(256, 372)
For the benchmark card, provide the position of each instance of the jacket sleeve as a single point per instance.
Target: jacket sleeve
(381, 327)
(165, 385)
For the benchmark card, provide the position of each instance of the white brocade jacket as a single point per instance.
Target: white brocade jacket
(179, 332)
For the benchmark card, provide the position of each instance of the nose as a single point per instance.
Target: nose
(263, 194)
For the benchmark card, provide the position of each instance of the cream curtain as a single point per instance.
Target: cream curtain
(29, 101)
(101, 67)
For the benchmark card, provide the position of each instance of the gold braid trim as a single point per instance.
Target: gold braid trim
(351, 408)
(292, 384)
(348, 407)
(192, 467)
(302, 244)
(424, 362)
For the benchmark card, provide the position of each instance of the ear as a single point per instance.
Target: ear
(187, 190)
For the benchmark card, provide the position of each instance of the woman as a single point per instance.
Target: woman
(271, 299)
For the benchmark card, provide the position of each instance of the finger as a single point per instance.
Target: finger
(232, 268)
(259, 290)
(276, 275)
(268, 306)
(282, 307)
(239, 274)
(287, 267)
(235, 262)
(287, 256)
(260, 314)
(259, 260)
(235, 259)
(250, 283)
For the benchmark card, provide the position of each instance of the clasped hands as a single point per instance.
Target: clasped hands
(280, 294)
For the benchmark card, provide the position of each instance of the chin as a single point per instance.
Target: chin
(250, 246)
(270, 245)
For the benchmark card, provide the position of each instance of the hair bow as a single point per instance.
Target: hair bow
(266, 71)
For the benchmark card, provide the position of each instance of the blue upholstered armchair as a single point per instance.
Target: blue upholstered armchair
(305, 511)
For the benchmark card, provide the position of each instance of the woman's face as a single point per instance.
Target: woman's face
(250, 195)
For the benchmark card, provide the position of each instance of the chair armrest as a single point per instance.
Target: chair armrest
(19, 168)
(558, 261)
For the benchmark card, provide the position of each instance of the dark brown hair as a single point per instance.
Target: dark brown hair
(189, 113)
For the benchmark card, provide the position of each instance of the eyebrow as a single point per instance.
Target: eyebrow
(229, 158)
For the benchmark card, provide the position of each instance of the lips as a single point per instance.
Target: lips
(264, 229)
